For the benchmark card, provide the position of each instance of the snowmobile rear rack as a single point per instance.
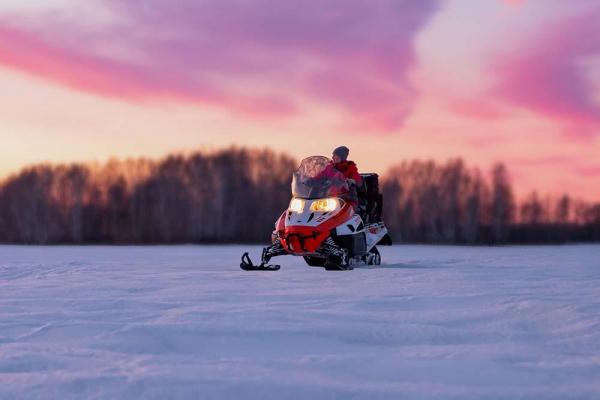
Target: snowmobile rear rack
(247, 265)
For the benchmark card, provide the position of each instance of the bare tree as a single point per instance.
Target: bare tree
(532, 210)
(562, 214)
(502, 206)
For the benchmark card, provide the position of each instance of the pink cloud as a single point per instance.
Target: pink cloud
(479, 108)
(589, 171)
(257, 58)
(546, 161)
(26, 52)
(547, 74)
(514, 3)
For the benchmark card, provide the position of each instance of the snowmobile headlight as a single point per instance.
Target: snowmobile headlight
(296, 205)
(325, 205)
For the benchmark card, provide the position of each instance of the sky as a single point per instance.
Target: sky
(516, 81)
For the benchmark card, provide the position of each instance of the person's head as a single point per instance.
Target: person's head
(340, 154)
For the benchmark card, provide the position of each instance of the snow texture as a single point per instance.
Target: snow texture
(186, 322)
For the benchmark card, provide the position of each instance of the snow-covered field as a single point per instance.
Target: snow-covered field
(186, 322)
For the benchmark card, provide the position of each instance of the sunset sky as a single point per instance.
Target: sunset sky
(510, 80)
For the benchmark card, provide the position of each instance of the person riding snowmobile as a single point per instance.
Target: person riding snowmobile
(345, 166)
(340, 163)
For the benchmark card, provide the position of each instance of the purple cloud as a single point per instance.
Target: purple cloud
(548, 74)
(262, 58)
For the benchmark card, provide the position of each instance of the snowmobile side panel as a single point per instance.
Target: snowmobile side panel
(350, 227)
(375, 233)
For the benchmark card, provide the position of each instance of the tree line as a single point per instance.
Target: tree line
(226, 196)
(235, 195)
(427, 202)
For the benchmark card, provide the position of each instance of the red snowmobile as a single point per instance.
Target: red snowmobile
(321, 223)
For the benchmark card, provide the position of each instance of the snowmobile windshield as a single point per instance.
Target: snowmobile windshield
(317, 178)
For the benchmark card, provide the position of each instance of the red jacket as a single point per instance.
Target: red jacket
(348, 168)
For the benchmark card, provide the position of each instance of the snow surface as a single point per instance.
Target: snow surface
(186, 322)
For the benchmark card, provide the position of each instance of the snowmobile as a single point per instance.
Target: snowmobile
(330, 222)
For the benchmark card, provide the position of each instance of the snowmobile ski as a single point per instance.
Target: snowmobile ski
(247, 265)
